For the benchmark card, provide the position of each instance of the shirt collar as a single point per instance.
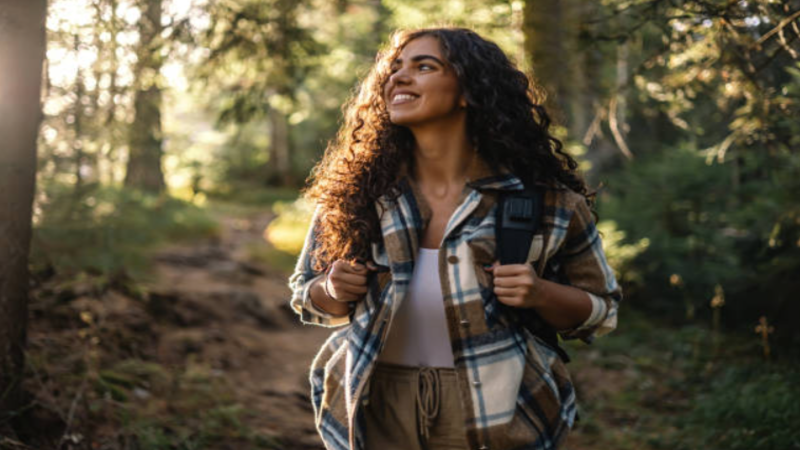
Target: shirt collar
(505, 181)
(501, 182)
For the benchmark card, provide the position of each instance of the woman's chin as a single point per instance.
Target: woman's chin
(401, 120)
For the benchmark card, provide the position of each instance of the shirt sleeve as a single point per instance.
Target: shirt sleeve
(301, 280)
(583, 265)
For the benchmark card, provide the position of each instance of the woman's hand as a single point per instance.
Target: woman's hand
(563, 307)
(516, 285)
(343, 284)
(347, 282)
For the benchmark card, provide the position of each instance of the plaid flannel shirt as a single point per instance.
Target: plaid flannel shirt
(514, 388)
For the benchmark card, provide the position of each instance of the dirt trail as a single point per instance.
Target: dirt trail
(233, 314)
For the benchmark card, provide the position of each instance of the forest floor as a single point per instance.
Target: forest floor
(207, 354)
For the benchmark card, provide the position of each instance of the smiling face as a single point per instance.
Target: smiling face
(423, 88)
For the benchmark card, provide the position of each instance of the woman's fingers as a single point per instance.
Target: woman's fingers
(355, 289)
(508, 292)
(344, 296)
(348, 280)
(349, 292)
(348, 267)
(508, 270)
(513, 281)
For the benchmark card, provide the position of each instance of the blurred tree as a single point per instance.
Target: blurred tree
(88, 99)
(259, 56)
(22, 47)
(551, 38)
(719, 81)
(145, 141)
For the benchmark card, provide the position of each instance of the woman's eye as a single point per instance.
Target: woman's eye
(422, 66)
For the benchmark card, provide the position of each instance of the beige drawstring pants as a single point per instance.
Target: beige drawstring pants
(414, 408)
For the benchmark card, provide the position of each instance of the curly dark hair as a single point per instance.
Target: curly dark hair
(505, 121)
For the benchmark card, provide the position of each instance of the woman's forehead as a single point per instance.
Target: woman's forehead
(421, 45)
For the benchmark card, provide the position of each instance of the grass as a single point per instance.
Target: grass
(105, 233)
(255, 195)
(136, 403)
(99, 380)
(667, 388)
(288, 231)
(272, 257)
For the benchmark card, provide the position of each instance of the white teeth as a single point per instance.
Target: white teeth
(403, 97)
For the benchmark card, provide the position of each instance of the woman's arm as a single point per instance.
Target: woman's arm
(561, 306)
(305, 283)
(582, 264)
(321, 300)
(344, 284)
(585, 304)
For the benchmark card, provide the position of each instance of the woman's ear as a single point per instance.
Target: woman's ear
(462, 102)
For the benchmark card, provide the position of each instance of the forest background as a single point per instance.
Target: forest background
(174, 136)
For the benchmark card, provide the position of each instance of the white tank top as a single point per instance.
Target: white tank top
(419, 336)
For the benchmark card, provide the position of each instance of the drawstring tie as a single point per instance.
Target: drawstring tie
(427, 399)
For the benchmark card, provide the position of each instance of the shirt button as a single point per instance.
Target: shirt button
(483, 447)
(452, 259)
(476, 383)
(464, 323)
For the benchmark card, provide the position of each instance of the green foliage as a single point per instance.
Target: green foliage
(105, 231)
(496, 20)
(619, 254)
(187, 409)
(708, 225)
(745, 408)
(657, 387)
(250, 195)
(273, 258)
(288, 231)
(677, 203)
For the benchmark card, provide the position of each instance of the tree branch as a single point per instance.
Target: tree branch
(775, 30)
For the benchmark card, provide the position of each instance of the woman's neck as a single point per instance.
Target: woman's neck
(442, 159)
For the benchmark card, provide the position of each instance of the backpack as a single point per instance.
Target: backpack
(519, 215)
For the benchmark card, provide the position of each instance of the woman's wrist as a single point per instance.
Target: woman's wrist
(325, 287)
(562, 306)
(321, 299)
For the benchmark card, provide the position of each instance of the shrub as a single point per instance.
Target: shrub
(105, 231)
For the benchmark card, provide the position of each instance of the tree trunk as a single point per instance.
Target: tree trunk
(601, 150)
(280, 167)
(77, 125)
(22, 46)
(546, 47)
(279, 162)
(558, 63)
(110, 156)
(145, 139)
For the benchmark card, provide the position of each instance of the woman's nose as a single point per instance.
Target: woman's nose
(400, 76)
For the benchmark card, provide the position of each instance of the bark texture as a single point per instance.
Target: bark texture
(145, 139)
(569, 69)
(22, 46)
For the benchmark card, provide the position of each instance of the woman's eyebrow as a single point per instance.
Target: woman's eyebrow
(419, 58)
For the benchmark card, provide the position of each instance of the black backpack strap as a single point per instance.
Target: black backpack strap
(519, 215)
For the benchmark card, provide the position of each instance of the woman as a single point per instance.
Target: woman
(402, 254)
